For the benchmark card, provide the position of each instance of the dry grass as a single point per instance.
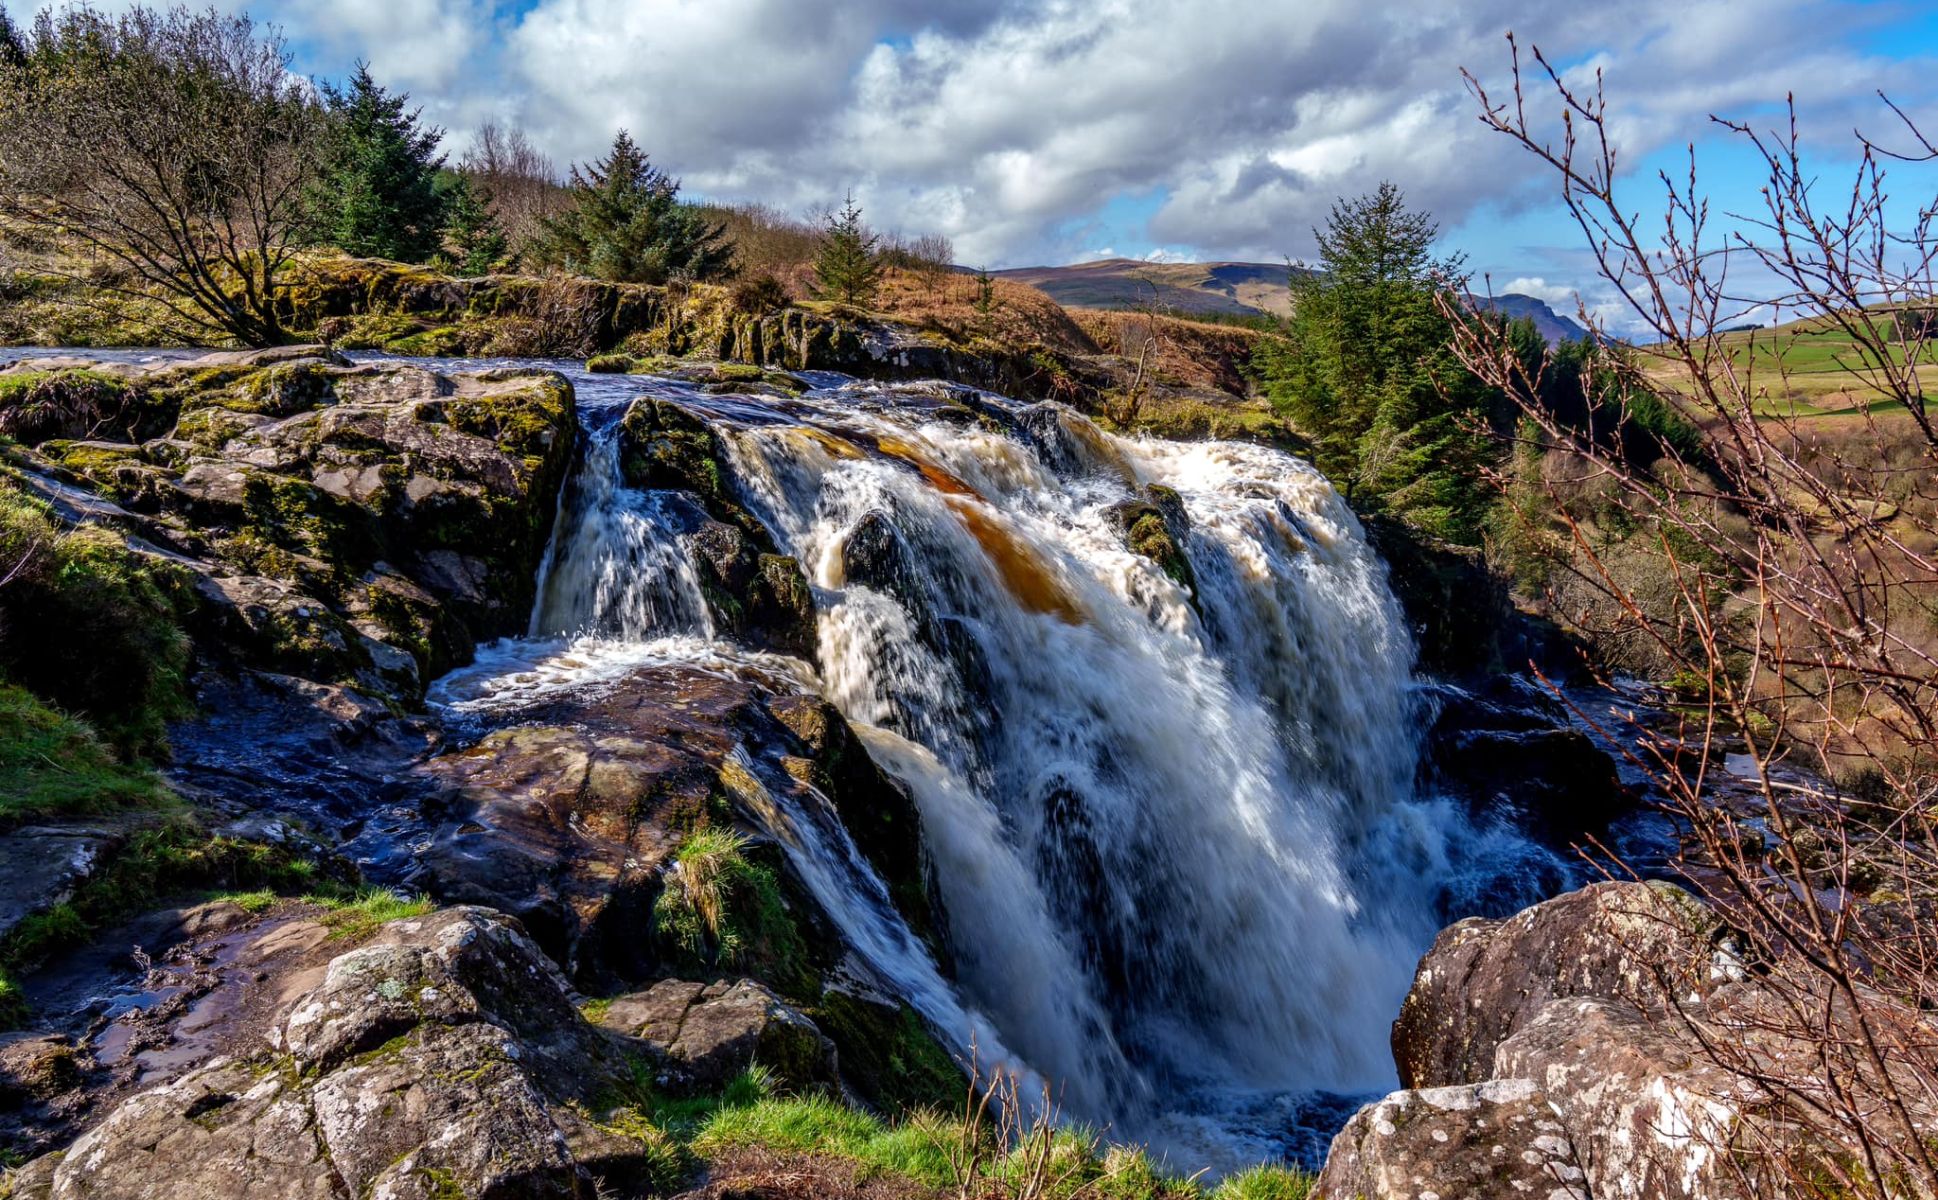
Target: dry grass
(950, 304)
(1189, 354)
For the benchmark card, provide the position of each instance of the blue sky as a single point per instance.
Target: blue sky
(1044, 131)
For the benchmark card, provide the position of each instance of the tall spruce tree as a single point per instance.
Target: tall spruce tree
(474, 241)
(1369, 377)
(846, 266)
(627, 224)
(13, 50)
(378, 195)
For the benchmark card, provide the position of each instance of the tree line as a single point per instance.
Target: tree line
(179, 149)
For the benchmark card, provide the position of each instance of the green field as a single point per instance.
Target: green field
(1808, 368)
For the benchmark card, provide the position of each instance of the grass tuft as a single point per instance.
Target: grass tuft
(366, 911)
(1267, 1182)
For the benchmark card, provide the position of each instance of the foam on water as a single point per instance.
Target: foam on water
(1185, 875)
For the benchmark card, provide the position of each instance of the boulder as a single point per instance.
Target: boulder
(1648, 1113)
(1493, 1139)
(568, 819)
(707, 1034)
(443, 1058)
(1483, 980)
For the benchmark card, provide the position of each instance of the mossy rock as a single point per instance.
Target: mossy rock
(611, 364)
(39, 406)
(887, 1054)
(1156, 527)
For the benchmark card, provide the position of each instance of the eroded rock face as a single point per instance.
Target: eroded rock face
(709, 1033)
(568, 819)
(442, 1058)
(1483, 980)
(1494, 1139)
(355, 524)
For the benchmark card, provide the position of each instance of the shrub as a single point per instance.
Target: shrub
(759, 295)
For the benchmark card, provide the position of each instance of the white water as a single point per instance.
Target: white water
(1183, 871)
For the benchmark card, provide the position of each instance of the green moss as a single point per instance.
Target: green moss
(54, 765)
(889, 1055)
(77, 402)
(13, 1004)
(611, 364)
(91, 626)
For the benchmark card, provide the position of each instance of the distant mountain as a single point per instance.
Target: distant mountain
(1219, 287)
(1552, 325)
(1224, 287)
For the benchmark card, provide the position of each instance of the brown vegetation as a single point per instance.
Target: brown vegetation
(1786, 574)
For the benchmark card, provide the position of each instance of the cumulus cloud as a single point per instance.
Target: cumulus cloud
(1010, 124)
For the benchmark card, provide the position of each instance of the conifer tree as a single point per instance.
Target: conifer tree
(13, 51)
(474, 242)
(1367, 374)
(378, 196)
(627, 224)
(846, 266)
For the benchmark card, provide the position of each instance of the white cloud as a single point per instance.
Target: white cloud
(1008, 124)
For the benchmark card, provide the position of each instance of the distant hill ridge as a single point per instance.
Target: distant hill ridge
(1220, 287)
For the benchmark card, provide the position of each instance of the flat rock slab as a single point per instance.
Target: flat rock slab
(41, 865)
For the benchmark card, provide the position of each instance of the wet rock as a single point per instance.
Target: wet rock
(568, 820)
(1484, 980)
(707, 1034)
(443, 1058)
(1508, 749)
(1157, 527)
(41, 865)
(1494, 1139)
(762, 599)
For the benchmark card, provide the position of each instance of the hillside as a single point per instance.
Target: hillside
(1220, 287)
(1226, 287)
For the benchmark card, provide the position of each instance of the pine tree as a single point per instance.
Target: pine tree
(846, 266)
(474, 242)
(627, 224)
(377, 196)
(13, 51)
(1367, 374)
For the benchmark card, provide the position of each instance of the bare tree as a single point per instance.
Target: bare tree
(169, 146)
(1790, 577)
(522, 182)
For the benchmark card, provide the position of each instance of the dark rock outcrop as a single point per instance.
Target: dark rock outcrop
(569, 819)
(351, 524)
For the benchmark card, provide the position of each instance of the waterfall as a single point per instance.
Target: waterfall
(1172, 824)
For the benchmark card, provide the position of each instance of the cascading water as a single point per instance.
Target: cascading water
(1173, 827)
